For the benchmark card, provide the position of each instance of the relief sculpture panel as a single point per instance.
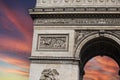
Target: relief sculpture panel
(49, 74)
(52, 42)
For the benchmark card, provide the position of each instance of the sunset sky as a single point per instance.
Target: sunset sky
(16, 29)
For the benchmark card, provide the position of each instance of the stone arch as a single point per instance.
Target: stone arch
(92, 36)
(106, 43)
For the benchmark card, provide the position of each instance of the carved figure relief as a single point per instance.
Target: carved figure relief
(49, 74)
(82, 34)
(52, 42)
(76, 21)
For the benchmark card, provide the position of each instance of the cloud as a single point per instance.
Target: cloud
(96, 75)
(15, 61)
(108, 64)
(24, 25)
(13, 71)
(21, 64)
(14, 21)
(101, 68)
(12, 44)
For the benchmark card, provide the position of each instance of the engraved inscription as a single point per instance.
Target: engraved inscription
(52, 42)
(49, 74)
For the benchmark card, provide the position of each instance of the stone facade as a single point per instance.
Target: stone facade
(61, 31)
(70, 3)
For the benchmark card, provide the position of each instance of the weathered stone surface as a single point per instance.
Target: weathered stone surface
(62, 30)
(59, 43)
(80, 3)
(50, 42)
(66, 72)
(78, 22)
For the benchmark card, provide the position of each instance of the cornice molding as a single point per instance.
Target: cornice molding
(75, 10)
(54, 60)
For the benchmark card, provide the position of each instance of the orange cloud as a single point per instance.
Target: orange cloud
(97, 75)
(108, 64)
(15, 61)
(13, 71)
(24, 26)
(106, 61)
(11, 44)
(108, 69)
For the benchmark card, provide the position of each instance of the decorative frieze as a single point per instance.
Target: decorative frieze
(68, 3)
(75, 16)
(81, 21)
(53, 42)
(49, 74)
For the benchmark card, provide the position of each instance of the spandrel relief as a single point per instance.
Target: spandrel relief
(52, 42)
(81, 34)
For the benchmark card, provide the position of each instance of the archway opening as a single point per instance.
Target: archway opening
(101, 68)
(100, 46)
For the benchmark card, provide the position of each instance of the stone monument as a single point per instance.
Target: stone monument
(68, 33)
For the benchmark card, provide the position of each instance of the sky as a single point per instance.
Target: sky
(16, 29)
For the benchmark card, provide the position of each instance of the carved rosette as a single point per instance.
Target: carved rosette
(49, 74)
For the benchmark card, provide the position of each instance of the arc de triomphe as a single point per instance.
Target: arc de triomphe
(68, 33)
